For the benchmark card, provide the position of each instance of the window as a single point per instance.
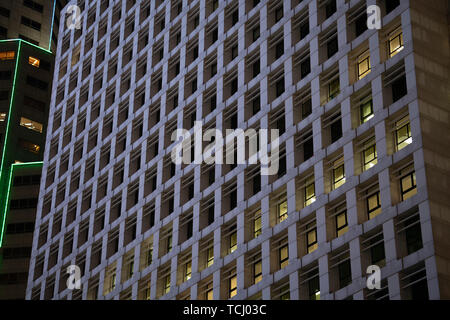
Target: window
(279, 49)
(30, 23)
(345, 274)
(187, 270)
(283, 253)
(33, 5)
(4, 12)
(210, 257)
(7, 55)
(2, 116)
(338, 173)
(364, 65)
(366, 109)
(279, 87)
(373, 202)
(35, 62)
(30, 124)
(257, 271)
(234, 51)
(333, 89)
(408, 186)
(29, 146)
(330, 8)
(233, 242)
(278, 13)
(167, 284)
(369, 154)
(314, 288)
(256, 68)
(34, 82)
(255, 33)
(310, 193)
(282, 211)
(332, 47)
(395, 42)
(257, 228)
(209, 291)
(311, 238)
(341, 220)
(232, 286)
(403, 133)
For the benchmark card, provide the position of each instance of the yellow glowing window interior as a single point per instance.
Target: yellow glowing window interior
(210, 257)
(370, 154)
(338, 173)
(35, 62)
(257, 224)
(363, 65)
(233, 242)
(310, 194)
(233, 286)
(395, 42)
(284, 256)
(257, 271)
(188, 271)
(282, 211)
(2, 116)
(7, 55)
(30, 124)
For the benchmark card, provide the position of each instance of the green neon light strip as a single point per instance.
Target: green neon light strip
(3, 164)
(51, 29)
(28, 43)
(8, 194)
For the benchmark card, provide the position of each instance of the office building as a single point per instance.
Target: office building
(362, 181)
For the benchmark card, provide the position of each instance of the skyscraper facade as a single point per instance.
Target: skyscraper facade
(362, 115)
(26, 72)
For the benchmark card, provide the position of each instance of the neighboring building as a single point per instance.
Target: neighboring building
(363, 118)
(26, 73)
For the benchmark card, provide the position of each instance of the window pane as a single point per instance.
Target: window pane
(35, 62)
(282, 211)
(30, 124)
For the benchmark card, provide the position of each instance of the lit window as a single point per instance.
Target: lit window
(7, 55)
(257, 224)
(282, 211)
(209, 291)
(29, 146)
(373, 203)
(403, 133)
(30, 124)
(341, 221)
(210, 257)
(311, 238)
(314, 288)
(369, 154)
(363, 65)
(112, 282)
(408, 185)
(232, 287)
(395, 42)
(35, 62)
(149, 255)
(366, 109)
(167, 284)
(257, 272)
(169, 243)
(233, 242)
(2, 116)
(284, 256)
(338, 173)
(310, 193)
(187, 271)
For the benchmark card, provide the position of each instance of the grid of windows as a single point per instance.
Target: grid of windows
(211, 101)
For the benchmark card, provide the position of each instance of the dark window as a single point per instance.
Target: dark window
(234, 86)
(306, 108)
(399, 89)
(330, 8)
(278, 13)
(234, 51)
(281, 125)
(336, 129)
(361, 24)
(4, 95)
(33, 5)
(33, 103)
(195, 52)
(34, 82)
(4, 12)
(3, 33)
(5, 75)
(345, 274)
(30, 23)
(16, 253)
(279, 87)
(308, 149)
(279, 49)
(256, 104)
(256, 68)
(256, 184)
(233, 199)
(255, 33)
(305, 68)
(215, 35)
(235, 17)
(332, 46)
(19, 204)
(391, 5)
(413, 235)
(304, 30)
